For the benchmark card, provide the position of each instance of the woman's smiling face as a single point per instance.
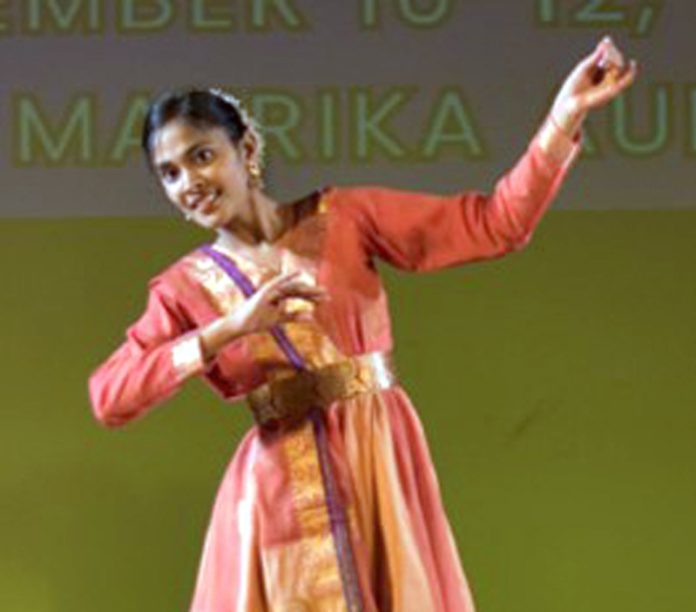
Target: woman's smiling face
(202, 173)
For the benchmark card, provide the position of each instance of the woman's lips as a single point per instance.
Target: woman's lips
(208, 204)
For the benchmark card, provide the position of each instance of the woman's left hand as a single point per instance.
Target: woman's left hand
(596, 80)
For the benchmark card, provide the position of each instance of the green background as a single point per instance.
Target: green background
(555, 385)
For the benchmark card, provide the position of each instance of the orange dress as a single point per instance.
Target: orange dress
(271, 542)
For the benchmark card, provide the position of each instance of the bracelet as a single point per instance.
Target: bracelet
(555, 141)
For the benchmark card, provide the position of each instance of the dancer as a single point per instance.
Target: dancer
(331, 501)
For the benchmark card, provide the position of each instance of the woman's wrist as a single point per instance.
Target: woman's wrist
(567, 118)
(560, 133)
(217, 334)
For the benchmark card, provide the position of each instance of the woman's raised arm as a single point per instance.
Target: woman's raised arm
(416, 231)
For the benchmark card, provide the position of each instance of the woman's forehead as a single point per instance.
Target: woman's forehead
(176, 138)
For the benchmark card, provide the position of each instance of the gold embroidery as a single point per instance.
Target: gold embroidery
(304, 574)
(306, 480)
(219, 287)
(320, 572)
(308, 337)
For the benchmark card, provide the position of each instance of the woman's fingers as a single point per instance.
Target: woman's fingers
(272, 303)
(588, 66)
(292, 285)
(629, 75)
(611, 56)
(611, 88)
(296, 316)
(611, 65)
(300, 290)
(272, 289)
(605, 58)
(278, 281)
(590, 62)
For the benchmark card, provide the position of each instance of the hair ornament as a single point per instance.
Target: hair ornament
(249, 124)
(231, 99)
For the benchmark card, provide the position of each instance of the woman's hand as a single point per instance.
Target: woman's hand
(268, 306)
(596, 80)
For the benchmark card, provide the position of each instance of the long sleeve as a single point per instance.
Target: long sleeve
(415, 231)
(158, 355)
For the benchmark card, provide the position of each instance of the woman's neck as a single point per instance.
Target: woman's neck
(265, 223)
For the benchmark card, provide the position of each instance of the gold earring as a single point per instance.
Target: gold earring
(254, 171)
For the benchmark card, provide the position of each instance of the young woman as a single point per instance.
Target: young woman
(331, 501)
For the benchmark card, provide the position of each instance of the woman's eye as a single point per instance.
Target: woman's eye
(203, 155)
(169, 174)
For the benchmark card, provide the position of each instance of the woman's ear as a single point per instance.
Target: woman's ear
(250, 147)
(251, 156)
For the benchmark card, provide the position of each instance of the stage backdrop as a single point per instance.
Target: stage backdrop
(555, 385)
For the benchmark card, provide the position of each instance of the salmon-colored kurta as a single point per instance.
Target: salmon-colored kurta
(270, 545)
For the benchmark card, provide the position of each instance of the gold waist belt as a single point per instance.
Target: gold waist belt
(285, 402)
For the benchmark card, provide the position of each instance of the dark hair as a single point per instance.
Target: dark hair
(203, 108)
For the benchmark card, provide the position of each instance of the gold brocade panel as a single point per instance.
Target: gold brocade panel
(304, 574)
(300, 252)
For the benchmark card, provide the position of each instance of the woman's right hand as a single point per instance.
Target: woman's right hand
(264, 309)
(268, 306)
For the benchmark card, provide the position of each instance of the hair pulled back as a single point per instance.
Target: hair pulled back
(204, 109)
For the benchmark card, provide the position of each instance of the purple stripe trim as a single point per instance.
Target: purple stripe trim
(248, 289)
(337, 518)
(232, 270)
(282, 339)
(337, 515)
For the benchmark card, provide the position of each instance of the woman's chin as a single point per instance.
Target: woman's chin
(214, 222)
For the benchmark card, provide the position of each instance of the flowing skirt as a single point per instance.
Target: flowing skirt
(273, 542)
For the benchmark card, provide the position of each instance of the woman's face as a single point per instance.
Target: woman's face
(202, 172)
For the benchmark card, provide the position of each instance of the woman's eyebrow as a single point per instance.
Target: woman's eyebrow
(186, 153)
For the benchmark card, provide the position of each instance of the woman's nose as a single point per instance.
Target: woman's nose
(192, 180)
